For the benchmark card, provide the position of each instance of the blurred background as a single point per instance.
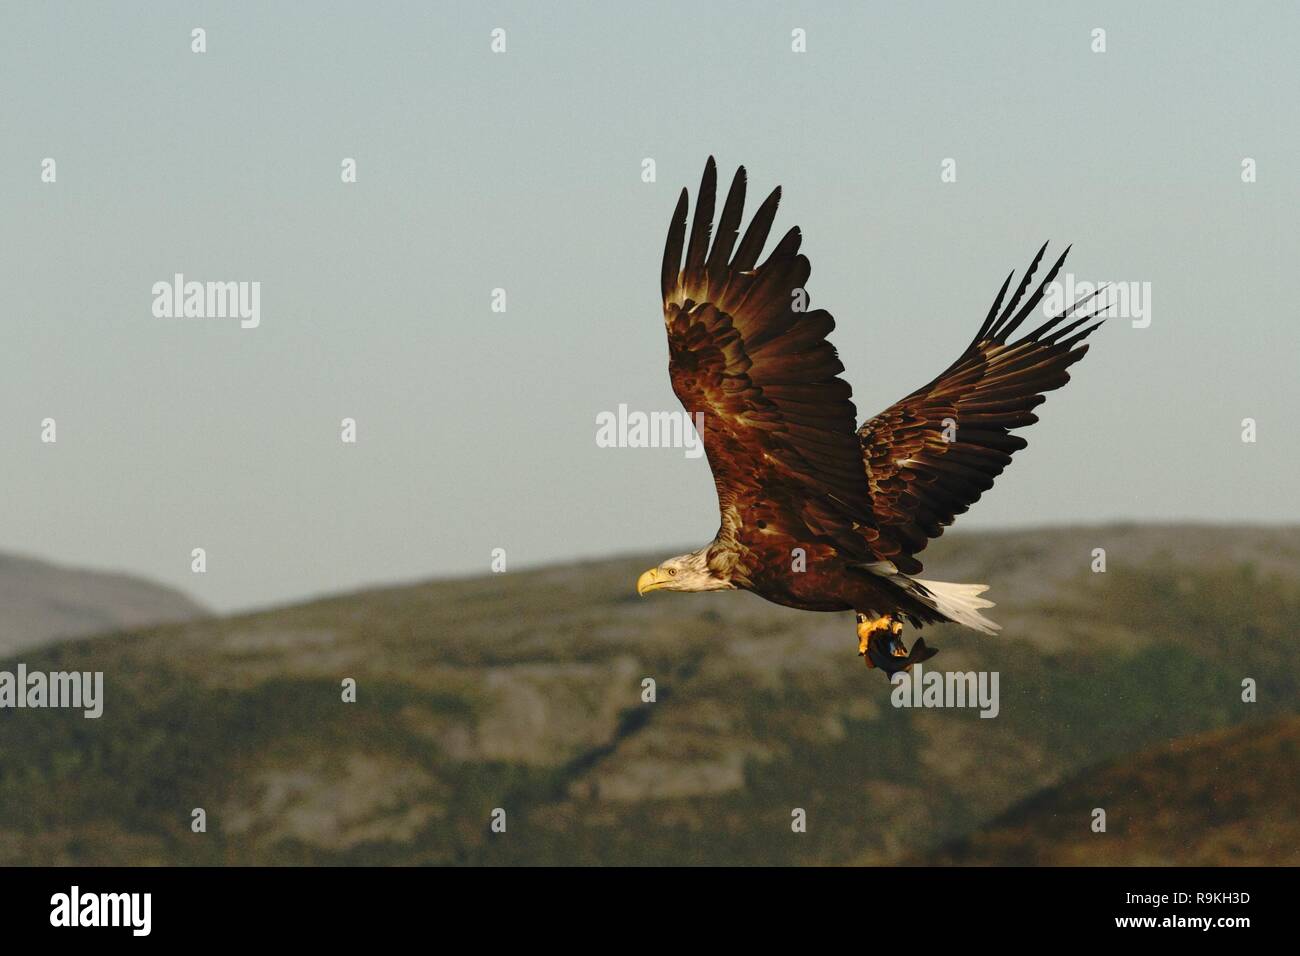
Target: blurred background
(524, 692)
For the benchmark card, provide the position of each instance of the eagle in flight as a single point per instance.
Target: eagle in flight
(818, 513)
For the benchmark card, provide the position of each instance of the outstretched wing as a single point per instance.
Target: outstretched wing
(779, 424)
(931, 455)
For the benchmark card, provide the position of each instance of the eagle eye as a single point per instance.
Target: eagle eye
(672, 571)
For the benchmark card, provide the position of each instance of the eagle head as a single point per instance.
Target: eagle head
(686, 572)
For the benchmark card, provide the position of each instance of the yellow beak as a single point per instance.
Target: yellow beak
(648, 581)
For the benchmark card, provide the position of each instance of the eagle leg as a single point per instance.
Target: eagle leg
(868, 627)
(880, 643)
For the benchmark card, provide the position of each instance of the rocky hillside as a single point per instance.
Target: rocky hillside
(1222, 797)
(524, 692)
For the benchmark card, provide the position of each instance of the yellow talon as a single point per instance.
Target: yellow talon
(867, 628)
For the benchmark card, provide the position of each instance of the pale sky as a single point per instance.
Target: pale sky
(522, 170)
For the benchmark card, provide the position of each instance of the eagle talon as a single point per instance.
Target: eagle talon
(867, 629)
(880, 642)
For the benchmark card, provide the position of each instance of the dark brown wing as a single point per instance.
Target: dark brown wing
(779, 424)
(931, 455)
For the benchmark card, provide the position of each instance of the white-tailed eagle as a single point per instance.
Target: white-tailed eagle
(817, 512)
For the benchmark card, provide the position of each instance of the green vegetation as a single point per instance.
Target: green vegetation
(524, 692)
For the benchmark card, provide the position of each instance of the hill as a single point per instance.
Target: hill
(46, 602)
(523, 691)
(1222, 797)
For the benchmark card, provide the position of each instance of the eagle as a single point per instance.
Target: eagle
(817, 512)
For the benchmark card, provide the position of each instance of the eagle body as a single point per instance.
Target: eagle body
(829, 583)
(817, 512)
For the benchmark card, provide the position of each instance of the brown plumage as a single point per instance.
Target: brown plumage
(817, 513)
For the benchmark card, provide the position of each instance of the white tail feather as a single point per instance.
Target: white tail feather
(957, 602)
(960, 602)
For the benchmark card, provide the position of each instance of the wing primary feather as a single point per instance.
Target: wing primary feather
(756, 235)
(1034, 299)
(1027, 278)
(993, 309)
(1069, 311)
(728, 231)
(702, 224)
(1072, 340)
(788, 245)
(1064, 330)
(673, 249)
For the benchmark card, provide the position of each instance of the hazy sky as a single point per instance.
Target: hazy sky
(522, 170)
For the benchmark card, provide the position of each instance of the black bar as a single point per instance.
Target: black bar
(330, 906)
